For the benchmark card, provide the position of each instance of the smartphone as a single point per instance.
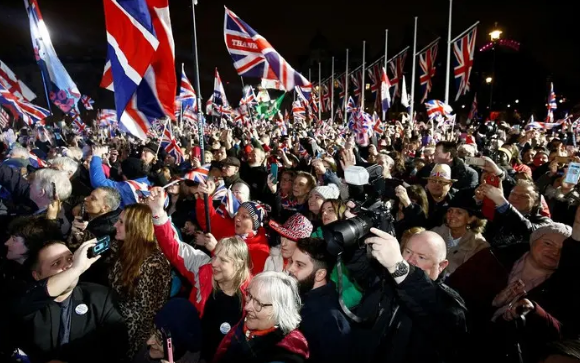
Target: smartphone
(488, 207)
(197, 153)
(469, 160)
(167, 345)
(274, 172)
(54, 197)
(83, 211)
(102, 246)
(573, 174)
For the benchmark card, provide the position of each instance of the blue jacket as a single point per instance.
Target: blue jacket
(98, 179)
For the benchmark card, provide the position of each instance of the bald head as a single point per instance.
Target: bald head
(427, 251)
(241, 192)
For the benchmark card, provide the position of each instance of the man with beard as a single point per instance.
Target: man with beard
(323, 324)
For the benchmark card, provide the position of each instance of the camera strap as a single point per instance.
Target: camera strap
(343, 306)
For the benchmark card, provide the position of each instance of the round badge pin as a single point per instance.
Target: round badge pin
(225, 328)
(81, 309)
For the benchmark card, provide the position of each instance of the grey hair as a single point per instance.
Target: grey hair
(112, 197)
(74, 152)
(557, 228)
(65, 164)
(44, 178)
(19, 152)
(282, 291)
(245, 191)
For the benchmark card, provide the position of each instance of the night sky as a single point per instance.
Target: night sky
(546, 30)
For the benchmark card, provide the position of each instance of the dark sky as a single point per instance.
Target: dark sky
(546, 28)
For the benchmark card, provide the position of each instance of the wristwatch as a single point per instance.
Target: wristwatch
(401, 269)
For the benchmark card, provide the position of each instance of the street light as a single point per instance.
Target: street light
(495, 33)
(517, 101)
(488, 80)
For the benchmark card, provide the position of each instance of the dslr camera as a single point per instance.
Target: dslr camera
(347, 235)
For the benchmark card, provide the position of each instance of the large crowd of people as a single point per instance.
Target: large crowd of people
(113, 252)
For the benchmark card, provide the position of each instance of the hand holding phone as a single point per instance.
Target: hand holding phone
(480, 162)
(573, 174)
(274, 172)
(103, 245)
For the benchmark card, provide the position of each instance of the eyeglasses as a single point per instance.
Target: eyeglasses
(258, 306)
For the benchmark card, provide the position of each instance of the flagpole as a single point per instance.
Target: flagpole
(200, 114)
(362, 102)
(346, 76)
(46, 91)
(413, 73)
(319, 91)
(386, 63)
(332, 91)
(448, 65)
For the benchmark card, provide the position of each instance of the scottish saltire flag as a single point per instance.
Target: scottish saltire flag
(15, 86)
(438, 108)
(253, 56)
(187, 93)
(141, 62)
(87, 102)
(31, 114)
(385, 90)
(62, 91)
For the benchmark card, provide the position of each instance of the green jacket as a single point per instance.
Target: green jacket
(351, 293)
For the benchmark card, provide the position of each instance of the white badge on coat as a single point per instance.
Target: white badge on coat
(225, 328)
(81, 309)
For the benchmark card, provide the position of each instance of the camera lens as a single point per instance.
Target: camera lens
(342, 235)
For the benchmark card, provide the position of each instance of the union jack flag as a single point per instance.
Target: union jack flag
(374, 73)
(427, 64)
(473, 112)
(356, 78)
(298, 111)
(438, 108)
(464, 50)
(396, 66)
(187, 94)
(4, 118)
(325, 104)
(341, 82)
(87, 102)
(170, 144)
(198, 175)
(15, 86)
(141, 61)
(229, 205)
(253, 56)
(31, 114)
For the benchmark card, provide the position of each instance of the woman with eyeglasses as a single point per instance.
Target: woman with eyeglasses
(218, 282)
(269, 331)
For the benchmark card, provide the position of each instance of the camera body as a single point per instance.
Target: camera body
(347, 235)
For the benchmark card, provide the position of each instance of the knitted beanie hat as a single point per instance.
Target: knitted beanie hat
(257, 212)
(329, 191)
(556, 228)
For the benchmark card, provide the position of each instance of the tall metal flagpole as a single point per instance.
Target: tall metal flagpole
(413, 73)
(386, 65)
(363, 85)
(448, 65)
(200, 122)
(346, 77)
(332, 91)
(319, 91)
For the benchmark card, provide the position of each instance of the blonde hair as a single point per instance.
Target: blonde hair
(237, 250)
(410, 233)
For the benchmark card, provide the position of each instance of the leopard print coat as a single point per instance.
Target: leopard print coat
(151, 293)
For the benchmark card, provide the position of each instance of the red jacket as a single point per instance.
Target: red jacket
(191, 263)
(224, 226)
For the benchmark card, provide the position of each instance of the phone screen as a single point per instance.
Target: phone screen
(274, 171)
(573, 173)
(103, 244)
